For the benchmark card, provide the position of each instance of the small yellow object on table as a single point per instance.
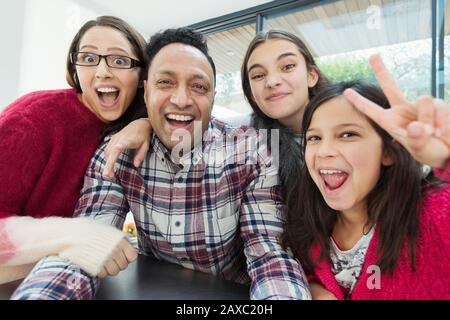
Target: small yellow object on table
(130, 228)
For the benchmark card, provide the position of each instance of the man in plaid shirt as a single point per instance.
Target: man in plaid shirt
(210, 204)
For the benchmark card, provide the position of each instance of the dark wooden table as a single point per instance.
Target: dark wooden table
(151, 279)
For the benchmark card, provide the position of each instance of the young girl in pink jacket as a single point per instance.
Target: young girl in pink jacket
(373, 223)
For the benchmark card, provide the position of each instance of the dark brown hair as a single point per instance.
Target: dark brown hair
(182, 35)
(394, 204)
(136, 40)
(289, 149)
(137, 108)
(259, 39)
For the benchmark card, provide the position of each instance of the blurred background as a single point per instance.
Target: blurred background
(411, 35)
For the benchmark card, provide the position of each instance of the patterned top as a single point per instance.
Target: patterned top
(346, 265)
(219, 212)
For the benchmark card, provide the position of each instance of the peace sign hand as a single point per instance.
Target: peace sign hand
(422, 126)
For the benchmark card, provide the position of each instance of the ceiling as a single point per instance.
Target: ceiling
(153, 15)
(334, 28)
(327, 29)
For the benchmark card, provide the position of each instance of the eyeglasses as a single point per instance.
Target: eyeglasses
(88, 59)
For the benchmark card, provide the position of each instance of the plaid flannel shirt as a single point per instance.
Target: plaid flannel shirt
(219, 212)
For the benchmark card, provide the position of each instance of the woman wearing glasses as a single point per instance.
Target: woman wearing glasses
(47, 139)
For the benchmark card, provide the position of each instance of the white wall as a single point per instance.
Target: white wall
(50, 26)
(11, 32)
(38, 35)
(35, 34)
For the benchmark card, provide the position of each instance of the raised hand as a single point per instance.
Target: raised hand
(421, 126)
(137, 136)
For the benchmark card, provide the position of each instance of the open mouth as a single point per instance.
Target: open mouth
(333, 179)
(108, 96)
(179, 121)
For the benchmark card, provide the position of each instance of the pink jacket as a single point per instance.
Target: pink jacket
(431, 280)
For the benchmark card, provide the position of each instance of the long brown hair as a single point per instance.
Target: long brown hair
(137, 108)
(259, 39)
(289, 149)
(394, 204)
(136, 40)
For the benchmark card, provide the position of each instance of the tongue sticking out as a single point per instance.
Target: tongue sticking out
(335, 180)
(108, 99)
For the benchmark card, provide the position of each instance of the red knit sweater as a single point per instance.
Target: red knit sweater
(47, 140)
(431, 280)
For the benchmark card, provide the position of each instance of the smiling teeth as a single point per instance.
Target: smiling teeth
(107, 90)
(330, 171)
(179, 117)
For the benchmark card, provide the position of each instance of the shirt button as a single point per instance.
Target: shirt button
(177, 224)
(180, 180)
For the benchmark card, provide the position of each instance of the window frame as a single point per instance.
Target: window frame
(259, 14)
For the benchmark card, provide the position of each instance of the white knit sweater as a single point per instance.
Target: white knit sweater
(82, 241)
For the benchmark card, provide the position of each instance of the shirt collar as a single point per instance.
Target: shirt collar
(194, 157)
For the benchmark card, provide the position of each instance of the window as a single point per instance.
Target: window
(228, 49)
(343, 34)
(446, 53)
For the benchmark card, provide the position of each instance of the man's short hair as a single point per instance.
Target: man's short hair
(178, 35)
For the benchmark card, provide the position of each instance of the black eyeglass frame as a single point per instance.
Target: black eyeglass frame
(134, 63)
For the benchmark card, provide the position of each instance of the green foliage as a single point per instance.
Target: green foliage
(225, 87)
(344, 69)
(412, 75)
